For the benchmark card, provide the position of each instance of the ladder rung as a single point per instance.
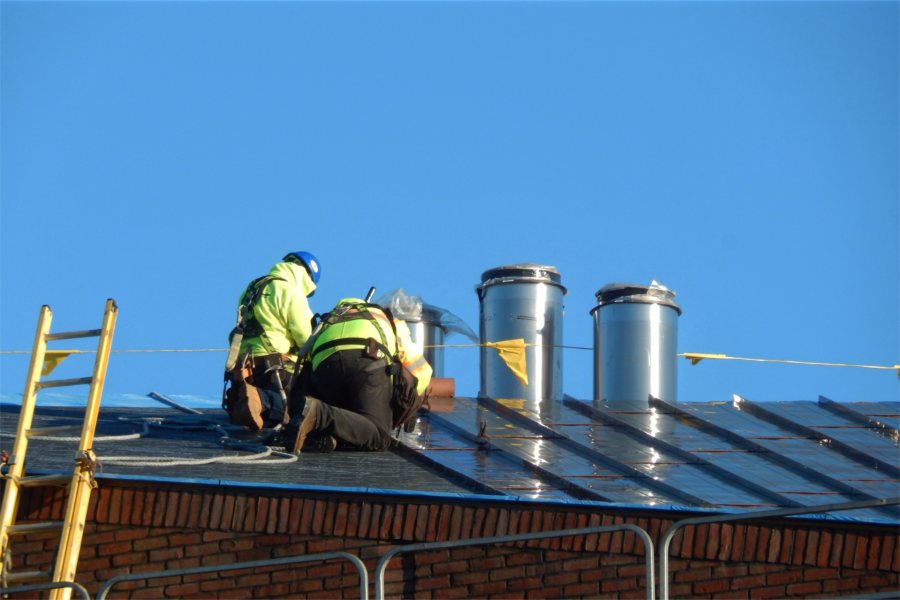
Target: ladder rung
(64, 382)
(45, 430)
(34, 527)
(70, 335)
(40, 480)
(25, 576)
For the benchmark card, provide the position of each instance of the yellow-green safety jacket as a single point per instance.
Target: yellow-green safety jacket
(354, 324)
(282, 311)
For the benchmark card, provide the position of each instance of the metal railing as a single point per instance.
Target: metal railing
(360, 568)
(666, 539)
(503, 539)
(52, 585)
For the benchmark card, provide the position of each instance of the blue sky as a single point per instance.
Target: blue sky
(744, 154)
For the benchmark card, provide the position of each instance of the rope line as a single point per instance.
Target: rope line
(697, 357)
(261, 451)
(488, 346)
(694, 357)
(100, 438)
(119, 351)
(168, 461)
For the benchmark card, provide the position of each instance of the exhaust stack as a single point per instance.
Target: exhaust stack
(426, 329)
(635, 343)
(522, 301)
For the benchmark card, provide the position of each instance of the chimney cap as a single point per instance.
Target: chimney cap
(622, 293)
(522, 273)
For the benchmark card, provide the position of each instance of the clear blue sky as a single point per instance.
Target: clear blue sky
(744, 154)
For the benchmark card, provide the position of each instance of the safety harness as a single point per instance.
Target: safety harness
(405, 400)
(240, 397)
(351, 312)
(247, 320)
(247, 323)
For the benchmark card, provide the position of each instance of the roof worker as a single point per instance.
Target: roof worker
(274, 321)
(359, 360)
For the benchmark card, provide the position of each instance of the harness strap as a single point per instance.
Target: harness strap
(246, 319)
(362, 342)
(363, 310)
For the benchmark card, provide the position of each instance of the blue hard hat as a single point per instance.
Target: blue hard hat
(307, 260)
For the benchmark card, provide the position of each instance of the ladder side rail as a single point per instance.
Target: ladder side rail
(98, 378)
(16, 465)
(83, 474)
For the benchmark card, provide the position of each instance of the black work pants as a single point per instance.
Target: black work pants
(356, 392)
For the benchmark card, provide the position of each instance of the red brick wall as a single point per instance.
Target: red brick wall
(134, 527)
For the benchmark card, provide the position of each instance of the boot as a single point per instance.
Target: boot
(307, 424)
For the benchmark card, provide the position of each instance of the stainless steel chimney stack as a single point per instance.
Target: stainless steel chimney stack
(635, 343)
(522, 301)
(428, 331)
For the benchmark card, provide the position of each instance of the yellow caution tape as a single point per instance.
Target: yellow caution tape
(52, 358)
(696, 357)
(512, 353)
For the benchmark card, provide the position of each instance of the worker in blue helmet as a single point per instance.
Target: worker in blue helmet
(274, 321)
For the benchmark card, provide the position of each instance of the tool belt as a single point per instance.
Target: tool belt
(273, 361)
(254, 394)
(241, 399)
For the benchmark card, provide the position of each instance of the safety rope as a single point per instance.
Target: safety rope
(694, 357)
(103, 438)
(164, 461)
(261, 450)
(67, 352)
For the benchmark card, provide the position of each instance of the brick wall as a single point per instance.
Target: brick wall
(138, 528)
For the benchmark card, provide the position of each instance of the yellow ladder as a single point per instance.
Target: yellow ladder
(80, 482)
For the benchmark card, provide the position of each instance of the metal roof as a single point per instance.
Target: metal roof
(733, 456)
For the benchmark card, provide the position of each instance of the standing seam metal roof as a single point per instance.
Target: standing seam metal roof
(727, 456)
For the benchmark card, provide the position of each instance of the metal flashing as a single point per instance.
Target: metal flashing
(767, 454)
(885, 429)
(714, 469)
(846, 450)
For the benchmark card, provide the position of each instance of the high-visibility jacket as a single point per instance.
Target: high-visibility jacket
(358, 324)
(411, 355)
(282, 311)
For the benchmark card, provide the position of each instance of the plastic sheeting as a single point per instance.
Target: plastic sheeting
(412, 308)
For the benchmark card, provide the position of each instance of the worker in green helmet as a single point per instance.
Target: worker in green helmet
(274, 321)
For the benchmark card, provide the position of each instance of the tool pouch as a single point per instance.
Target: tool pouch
(241, 399)
(405, 399)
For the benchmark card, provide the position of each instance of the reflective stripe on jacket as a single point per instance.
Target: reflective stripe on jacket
(358, 323)
(412, 357)
(283, 312)
(371, 322)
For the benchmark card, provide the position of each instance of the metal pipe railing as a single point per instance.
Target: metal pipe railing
(53, 585)
(666, 540)
(360, 568)
(503, 539)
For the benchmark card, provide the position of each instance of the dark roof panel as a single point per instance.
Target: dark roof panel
(736, 456)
